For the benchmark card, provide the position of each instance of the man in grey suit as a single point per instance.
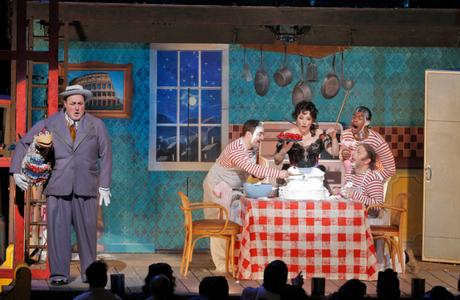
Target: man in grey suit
(82, 170)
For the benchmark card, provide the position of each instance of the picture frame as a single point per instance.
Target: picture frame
(111, 85)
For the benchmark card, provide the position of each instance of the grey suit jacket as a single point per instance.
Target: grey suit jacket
(81, 166)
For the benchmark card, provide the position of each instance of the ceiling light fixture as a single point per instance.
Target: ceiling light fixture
(288, 33)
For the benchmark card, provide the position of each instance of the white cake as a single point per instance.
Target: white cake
(305, 184)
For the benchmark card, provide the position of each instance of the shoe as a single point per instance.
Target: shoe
(59, 281)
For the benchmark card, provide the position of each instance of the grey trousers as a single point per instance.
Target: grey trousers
(61, 213)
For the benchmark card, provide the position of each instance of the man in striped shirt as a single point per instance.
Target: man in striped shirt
(361, 133)
(364, 184)
(232, 168)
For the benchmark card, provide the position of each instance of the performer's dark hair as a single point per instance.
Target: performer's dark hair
(371, 154)
(250, 125)
(305, 106)
(366, 112)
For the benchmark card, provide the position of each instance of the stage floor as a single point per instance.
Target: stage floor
(135, 267)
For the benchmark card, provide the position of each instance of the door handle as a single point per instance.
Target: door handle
(428, 173)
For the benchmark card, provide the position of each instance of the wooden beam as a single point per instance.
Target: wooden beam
(21, 93)
(153, 23)
(319, 35)
(248, 15)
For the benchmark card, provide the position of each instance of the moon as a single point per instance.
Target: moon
(192, 101)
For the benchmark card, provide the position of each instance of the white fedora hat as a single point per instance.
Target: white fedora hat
(76, 90)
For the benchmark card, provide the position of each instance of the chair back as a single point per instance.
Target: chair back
(185, 207)
(397, 218)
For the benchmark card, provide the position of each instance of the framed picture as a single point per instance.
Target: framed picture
(111, 85)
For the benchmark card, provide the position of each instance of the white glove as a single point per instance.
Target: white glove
(104, 196)
(21, 181)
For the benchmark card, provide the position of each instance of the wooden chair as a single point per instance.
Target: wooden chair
(198, 229)
(392, 234)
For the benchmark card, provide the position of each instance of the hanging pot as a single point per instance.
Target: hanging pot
(261, 81)
(301, 91)
(283, 76)
(331, 83)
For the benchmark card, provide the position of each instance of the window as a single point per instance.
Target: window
(189, 105)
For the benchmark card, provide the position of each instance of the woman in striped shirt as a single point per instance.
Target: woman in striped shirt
(364, 184)
(232, 168)
(361, 133)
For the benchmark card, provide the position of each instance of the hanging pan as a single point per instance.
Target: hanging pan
(283, 76)
(261, 81)
(331, 83)
(302, 91)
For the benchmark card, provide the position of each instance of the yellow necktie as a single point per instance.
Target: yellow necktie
(73, 132)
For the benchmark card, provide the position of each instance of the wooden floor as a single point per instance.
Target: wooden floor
(135, 266)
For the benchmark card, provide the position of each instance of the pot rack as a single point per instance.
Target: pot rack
(314, 51)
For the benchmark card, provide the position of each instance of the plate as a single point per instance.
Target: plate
(290, 137)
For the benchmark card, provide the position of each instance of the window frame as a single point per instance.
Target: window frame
(154, 165)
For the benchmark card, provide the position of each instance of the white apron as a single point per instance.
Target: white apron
(235, 179)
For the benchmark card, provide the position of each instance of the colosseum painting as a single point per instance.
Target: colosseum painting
(110, 87)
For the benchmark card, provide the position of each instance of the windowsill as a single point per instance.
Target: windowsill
(179, 166)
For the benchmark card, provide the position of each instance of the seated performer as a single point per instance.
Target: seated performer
(361, 133)
(363, 183)
(236, 162)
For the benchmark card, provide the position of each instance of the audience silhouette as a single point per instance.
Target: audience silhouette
(388, 285)
(96, 274)
(160, 269)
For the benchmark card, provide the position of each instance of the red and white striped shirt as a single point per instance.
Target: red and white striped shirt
(368, 187)
(385, 159)
(236, 155)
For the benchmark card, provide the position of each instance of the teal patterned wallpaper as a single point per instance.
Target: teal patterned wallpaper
(390, 81)
(144, 214)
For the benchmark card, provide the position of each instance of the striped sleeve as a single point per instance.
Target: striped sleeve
(373, 191)
(346, 137)
(240, 160)
(386, 158)
(235, 155)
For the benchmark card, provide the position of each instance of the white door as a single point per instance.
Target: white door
(441, 209)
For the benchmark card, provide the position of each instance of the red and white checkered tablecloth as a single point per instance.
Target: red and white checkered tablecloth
(325, 238)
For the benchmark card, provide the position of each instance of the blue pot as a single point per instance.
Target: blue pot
(257, 190)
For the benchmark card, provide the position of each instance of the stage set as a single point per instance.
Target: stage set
(173, 86)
